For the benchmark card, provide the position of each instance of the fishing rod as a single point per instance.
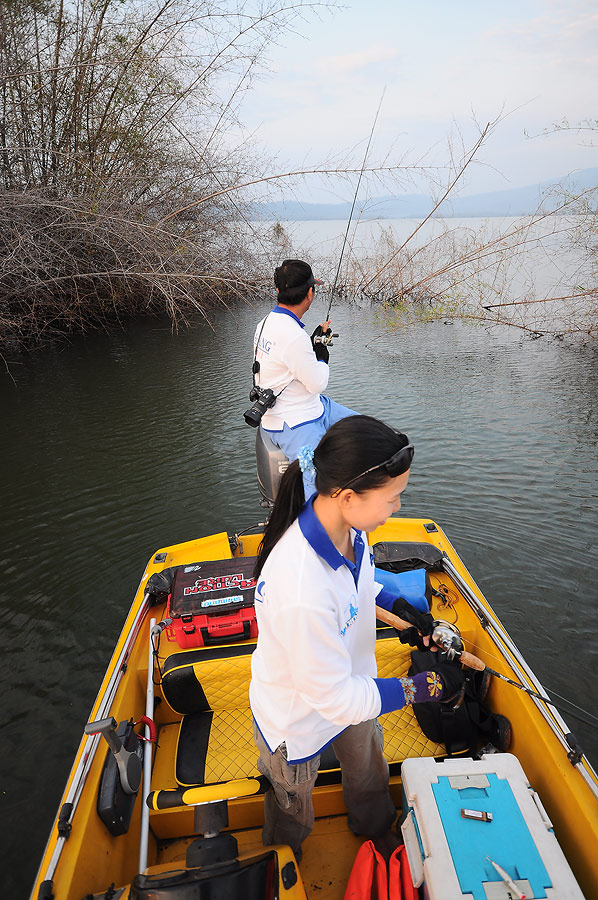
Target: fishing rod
(447, 637)
(367, 150)
(495, 630)
(532, 693)
(444, 636)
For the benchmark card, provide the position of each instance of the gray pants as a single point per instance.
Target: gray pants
(288, 807)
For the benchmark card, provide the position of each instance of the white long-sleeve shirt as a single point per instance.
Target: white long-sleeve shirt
(287, 360)
(314, 666)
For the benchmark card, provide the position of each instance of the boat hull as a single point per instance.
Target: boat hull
(86, 858)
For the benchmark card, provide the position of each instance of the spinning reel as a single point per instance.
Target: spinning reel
(447, 637)
(326, 338)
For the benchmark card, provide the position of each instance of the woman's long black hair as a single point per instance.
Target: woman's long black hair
(349, 447)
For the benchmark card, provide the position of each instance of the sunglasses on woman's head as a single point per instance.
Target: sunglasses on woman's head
(394, 466)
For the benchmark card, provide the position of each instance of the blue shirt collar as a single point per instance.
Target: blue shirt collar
(317, 537)
(287, 312)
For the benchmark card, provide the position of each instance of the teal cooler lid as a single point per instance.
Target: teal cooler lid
(506, 839)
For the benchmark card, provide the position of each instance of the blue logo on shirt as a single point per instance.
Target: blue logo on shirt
(258, 592)
(353, 610)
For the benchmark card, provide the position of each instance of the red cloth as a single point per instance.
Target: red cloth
(372, 879)
(369, 877)
(400, 885)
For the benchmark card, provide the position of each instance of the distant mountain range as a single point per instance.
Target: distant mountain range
(521, 201)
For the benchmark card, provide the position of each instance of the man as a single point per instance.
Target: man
(295, 367)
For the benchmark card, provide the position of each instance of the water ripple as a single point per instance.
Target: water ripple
(139, 443)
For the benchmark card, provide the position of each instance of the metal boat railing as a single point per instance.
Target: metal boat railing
(89, 750)
(499, 636)
(147, 753)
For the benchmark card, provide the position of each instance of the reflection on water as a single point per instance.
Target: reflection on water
(117, 445)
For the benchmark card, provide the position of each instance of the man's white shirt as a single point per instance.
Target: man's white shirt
(288, 365)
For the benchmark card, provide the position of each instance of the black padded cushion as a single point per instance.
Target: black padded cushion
(192, 750)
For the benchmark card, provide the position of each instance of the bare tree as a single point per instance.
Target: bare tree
(484, 274)
(112, 115)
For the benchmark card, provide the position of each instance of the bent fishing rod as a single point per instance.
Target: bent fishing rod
(365, 157)
(447, 638)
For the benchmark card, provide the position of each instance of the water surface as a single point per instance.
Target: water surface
(117, 445)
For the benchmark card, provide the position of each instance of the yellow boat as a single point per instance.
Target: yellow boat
(153, 850)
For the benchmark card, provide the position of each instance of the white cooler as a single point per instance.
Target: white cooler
(462, 814)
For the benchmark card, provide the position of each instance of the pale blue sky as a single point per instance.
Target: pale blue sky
(441, 64)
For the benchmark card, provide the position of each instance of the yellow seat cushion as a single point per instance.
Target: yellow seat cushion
(216, 739)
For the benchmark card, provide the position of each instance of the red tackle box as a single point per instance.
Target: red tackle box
(212, 603)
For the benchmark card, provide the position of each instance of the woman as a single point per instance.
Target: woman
(314, 670)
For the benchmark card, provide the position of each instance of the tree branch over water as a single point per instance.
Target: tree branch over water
(103, 108)
(124, 189)
(473, 272)
(449, 189)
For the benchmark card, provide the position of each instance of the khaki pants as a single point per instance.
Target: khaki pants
(288, 807)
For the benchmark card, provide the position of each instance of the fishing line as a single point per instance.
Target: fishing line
(367, 150)
(533, 693)
(442, 588)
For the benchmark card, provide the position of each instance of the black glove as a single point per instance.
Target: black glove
(421, 623)
(319, 332)
(321, 350)
(453, 679)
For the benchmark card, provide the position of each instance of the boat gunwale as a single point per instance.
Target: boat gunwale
(89, 744)
(516, 660)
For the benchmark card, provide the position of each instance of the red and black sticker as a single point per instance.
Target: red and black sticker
(214, 587)
(220, 583)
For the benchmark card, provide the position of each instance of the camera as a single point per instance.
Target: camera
(262, 399)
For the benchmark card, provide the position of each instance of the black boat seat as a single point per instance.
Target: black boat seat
(209, 687)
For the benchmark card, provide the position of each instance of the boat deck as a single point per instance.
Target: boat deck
(221, 746)
(220, 742)
(328, 855)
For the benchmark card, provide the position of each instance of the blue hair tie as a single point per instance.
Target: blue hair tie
(306, 460)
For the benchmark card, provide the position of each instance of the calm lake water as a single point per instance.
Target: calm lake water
(114, 446)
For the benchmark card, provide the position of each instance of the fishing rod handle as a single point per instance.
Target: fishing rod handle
(468, 659)
(471, 661)
(390, 619)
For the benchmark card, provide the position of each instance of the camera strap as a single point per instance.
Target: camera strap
(256, 366)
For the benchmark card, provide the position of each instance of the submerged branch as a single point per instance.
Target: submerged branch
(588, 293)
